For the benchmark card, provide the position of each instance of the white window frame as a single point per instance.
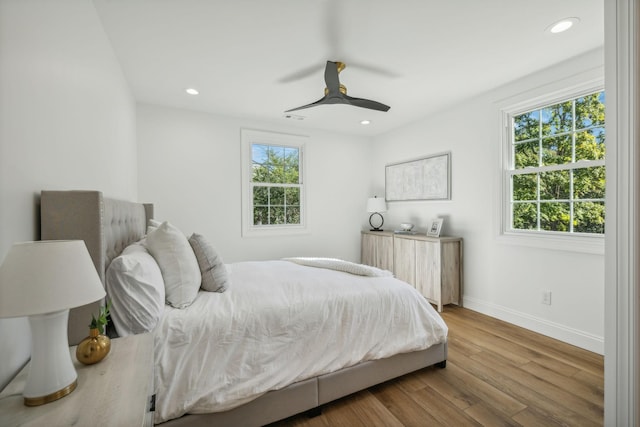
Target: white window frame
(574, 242)
(248, 138)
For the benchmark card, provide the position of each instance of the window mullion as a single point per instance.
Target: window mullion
(538, 201)
(571, 207)
(565, 166)
(540, 138)
(540, 152)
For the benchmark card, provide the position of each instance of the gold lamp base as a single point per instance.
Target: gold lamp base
(41, 400)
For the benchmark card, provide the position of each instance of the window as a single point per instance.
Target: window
(272, 183)
(555, 172)
(275, 180)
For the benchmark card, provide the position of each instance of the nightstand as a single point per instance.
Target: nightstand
(114, 392)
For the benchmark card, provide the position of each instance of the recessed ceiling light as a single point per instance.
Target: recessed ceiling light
(365, 122)
(191, 91)
(562, 25)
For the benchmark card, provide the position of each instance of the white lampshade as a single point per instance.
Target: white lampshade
(46, 276)
(375, 204)
(43, 280)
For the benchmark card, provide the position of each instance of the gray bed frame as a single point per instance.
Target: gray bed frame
(107, 226)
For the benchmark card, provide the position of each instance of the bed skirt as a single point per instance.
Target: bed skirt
(315, 392)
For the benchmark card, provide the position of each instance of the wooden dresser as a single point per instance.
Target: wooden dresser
(433, 265)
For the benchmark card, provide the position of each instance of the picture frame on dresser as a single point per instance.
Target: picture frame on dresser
(434, 227)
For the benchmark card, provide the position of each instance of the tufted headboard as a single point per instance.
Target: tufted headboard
(106, 225)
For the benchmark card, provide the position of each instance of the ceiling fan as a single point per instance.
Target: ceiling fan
(336, 93)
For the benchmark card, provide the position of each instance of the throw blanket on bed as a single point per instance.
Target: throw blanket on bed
(277, 324)
(341, 265)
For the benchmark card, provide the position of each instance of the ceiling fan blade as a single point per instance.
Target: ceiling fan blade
(313, 104)
(384, 72)
(301, 74)
(334, 25)
(331, 77)
(366, 103)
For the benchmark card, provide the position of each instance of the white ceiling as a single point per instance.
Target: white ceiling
(257, 58)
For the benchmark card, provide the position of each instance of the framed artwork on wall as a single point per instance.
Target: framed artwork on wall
(428, 178)
(434, 227)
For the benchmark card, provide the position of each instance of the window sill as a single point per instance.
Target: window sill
(574, 243)
(274, 231)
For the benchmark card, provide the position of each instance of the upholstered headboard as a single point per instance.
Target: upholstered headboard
(106, 225)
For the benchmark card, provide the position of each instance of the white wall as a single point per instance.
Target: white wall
(67, 121)
(189, 166)
(503, 280)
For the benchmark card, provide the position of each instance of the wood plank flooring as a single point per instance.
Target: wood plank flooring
(497, 374)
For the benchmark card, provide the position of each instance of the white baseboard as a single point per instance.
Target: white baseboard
(560, 332)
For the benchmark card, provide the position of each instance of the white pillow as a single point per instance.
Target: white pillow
(178, 264)
(152, 225)
(214, 273)
(136, 291)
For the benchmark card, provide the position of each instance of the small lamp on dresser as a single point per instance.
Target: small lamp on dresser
(43, 280)
(376, 206)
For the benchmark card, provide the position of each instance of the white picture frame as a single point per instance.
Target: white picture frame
(428, 178)
(434, 227)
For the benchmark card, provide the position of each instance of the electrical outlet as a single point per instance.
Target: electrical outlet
(546, 297)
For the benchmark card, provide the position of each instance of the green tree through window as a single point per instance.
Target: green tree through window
(557, 174)
(276, 186)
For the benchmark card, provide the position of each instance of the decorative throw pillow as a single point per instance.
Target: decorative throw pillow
(136, 291)
(178, 264)
(153, 225)
(214, 273)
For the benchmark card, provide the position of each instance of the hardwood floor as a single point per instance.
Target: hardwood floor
(497, 374)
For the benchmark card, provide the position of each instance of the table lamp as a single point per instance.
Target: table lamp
(375, 206)
(43, 280)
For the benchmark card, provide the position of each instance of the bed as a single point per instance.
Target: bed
(110, 226)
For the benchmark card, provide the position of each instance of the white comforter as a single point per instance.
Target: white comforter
(279, 323)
